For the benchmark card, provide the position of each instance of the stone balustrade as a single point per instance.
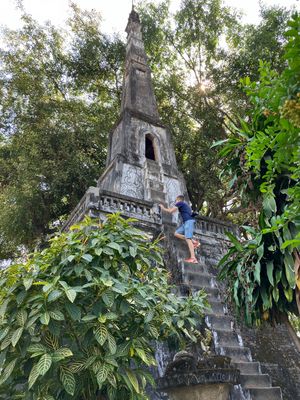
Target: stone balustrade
(96, 202)
(139, 209)
(214, 227)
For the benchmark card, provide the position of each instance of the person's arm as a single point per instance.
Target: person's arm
(168, 210)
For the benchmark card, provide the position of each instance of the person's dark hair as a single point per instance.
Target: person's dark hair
(180, 197)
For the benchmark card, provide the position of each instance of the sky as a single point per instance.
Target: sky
(114, 12)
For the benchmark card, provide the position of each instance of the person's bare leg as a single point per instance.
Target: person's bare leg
(179, 236)
(191, 247)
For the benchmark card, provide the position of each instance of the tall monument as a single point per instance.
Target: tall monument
(141, 171)
(141, 161)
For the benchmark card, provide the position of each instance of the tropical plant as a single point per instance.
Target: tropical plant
(80, 318)
(265, 170)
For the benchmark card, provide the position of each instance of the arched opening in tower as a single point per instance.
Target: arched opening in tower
(149, 148)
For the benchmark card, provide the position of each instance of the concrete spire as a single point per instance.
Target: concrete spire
(138, 95)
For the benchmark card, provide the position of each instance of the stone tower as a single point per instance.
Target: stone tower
(141, 161)
(141, 171)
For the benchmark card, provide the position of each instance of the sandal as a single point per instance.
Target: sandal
(191, 260)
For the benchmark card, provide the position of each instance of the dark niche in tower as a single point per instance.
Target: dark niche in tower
(149, 148)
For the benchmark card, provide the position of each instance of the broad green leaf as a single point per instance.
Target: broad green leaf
(219, 142)
(36, 347)
(74, 311)
(234, 240)
(5, 374)
(111, 343)
(111, 360)
(57, 315)
(44, 364)
(265, 298)
(112, 393)
(87, 257)
(89, 317)
(111, 316)
(71, 294)
(289, 270)
(275, 293)
(3, 307)
(112, 379)
(102, 374)
(260, 251)
(288, 294)
(108, 298)
(16, 336)
(141, 353)
(123, 348)
(269, 205)
(133, 379)
(149, 316)
(34, 374)
(96, 366)
(257, 272)
(64, 285)
(153, 330)
(4, 332)
(45, 318)
(100, 334)
(98, 251)
(21, 317)
(76, 366)
(270, 269)
(133, 251)
(61, 354)
(6, 341)
(27, 282)
(54, 295)
(68, 380)
(180, 323)
(115, 246)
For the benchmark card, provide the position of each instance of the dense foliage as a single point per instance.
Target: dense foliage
(263, 271)
(60, 95)
(53, 124)
(79, 319)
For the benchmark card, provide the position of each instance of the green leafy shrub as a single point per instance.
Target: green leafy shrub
(78, 319)
(265, 166)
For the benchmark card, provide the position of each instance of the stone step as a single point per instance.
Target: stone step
(255, 381)
(216, 308)
(212, 293)
(250, 368)
(199, 281)
(272, 393)
(189, 268)
(219, 322)
(236, 353)
(226, 337)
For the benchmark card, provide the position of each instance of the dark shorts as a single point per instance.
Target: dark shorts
(187, 229)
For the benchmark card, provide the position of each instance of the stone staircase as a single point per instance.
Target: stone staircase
(227, 341)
